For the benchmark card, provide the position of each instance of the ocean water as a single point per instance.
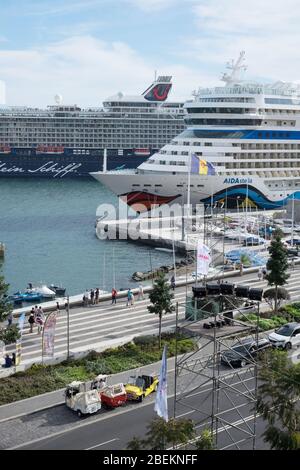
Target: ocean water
(48, 229)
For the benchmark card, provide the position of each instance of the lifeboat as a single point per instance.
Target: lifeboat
(52, 149)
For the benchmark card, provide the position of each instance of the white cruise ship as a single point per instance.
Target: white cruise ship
(247, 132)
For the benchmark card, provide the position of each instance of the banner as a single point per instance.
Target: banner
(161, 400)
(49, 334)
(203, 258)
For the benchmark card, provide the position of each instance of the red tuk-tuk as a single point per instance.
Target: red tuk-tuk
(111, 395)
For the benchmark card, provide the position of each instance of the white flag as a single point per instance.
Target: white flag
(161, 400)
(203, 258)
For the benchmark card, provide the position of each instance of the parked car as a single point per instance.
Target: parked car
(82, 400)
(141, 386)
(244, 352)
(286, 336)
(293, 241)
(254, 241)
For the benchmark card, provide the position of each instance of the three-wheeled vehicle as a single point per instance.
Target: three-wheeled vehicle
(81, 399)
(139, 387)
(111, 395)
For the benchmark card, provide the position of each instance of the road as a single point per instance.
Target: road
(113, 430)
(105, 325)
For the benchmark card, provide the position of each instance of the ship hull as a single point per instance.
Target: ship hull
(27, 163)
(144, 191)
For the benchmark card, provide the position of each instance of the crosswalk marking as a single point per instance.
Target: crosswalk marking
(95, 325)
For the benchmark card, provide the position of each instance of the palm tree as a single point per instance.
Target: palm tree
(161, 300)
(278, 398)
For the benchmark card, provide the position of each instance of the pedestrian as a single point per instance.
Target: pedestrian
(293, 264)
(97, 296)
(173, 282)
(241, 269)
(92, 297)
(13, 359)
(130, 299)
(36, 310)
(264, 272)
(113, 296)
(57, 306)
(8, 361)
(40, 320)
(260, 275)
(31, 320)
(141, 292)
(10, 319)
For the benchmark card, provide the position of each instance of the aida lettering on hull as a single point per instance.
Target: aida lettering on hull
(237, 181)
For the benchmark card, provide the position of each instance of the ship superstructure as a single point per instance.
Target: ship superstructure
(248, 132)
(66, 140)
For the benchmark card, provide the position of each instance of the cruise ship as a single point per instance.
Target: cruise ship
(246, 133)
(67, 141)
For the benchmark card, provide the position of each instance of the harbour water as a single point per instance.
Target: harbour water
(48, 229)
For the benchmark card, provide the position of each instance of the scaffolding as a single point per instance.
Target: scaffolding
(209, 388)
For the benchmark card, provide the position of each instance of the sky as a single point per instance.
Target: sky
(88, 50)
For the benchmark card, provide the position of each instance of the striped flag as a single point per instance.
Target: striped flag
(201, 167)
(161, 400)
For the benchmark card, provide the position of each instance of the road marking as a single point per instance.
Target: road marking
(102, 443)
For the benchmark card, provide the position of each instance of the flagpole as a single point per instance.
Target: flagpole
(189, 184)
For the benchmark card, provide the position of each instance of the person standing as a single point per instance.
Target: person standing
(260, 274)
(113, 296)
(173, 282)
(10, 319)
(13, 359)
(97, 296)
(40, 320)
(31, 320)
(141, 292)
(130, 299)
(92, 297)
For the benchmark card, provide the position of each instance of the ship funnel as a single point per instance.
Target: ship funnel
(159, 89)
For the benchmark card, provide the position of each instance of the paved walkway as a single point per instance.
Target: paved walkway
(105, 325)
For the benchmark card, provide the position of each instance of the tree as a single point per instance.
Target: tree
(176, 432)
(277, 266)
(161, 300)
(278, 397)
(271, 294)
(11, 333)
(5, 305)
(206, 441)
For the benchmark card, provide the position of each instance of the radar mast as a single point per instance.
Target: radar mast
(236, 69)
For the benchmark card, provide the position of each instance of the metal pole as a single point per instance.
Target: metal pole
(176, 358)
(68, 327)
(114, 272)
(293, 216)
(255, 381)
(173, 246)
(103, 277)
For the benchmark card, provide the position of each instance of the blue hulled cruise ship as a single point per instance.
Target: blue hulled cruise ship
(67, 141)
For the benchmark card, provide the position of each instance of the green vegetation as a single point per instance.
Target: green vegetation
(161, 435)
(11, 333)
(41, 379)
(161, 301)
(278, 398)
(287, 313)
(277, 266)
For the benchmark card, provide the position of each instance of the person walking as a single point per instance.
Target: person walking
(10, 319)
(113, 296)
(241, 269)
(260, 274)
(92, 296)
(40, 320)
(293, 264)
(173, 282)
(141, 292)
(130, 298)
(31, 320)
(97, 296)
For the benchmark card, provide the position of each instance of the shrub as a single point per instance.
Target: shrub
(145, 341)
